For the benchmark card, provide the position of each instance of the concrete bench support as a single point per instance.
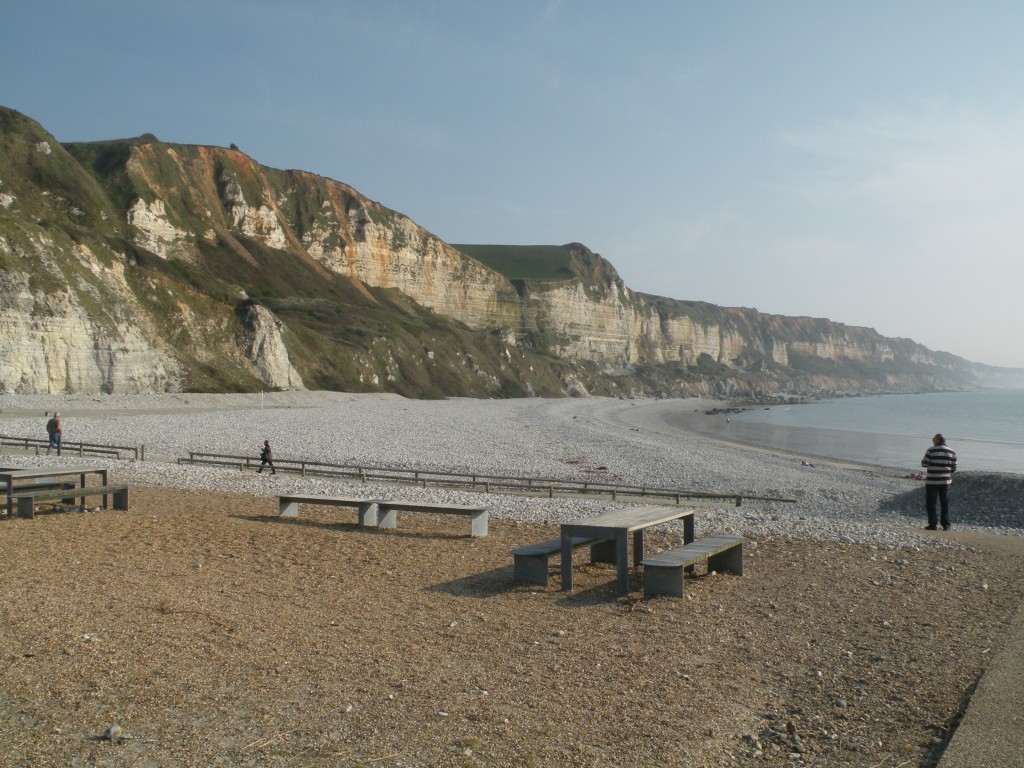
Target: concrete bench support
(530, 563)
(663, 573)
(478, 516)
(288, 506)
(25, 502)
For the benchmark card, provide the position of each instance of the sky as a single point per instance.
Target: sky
(859, 161)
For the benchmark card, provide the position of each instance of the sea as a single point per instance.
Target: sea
(984, 427)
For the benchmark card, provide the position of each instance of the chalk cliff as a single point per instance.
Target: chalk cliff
(140, 266)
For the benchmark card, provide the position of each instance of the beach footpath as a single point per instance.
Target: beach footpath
(991, 732)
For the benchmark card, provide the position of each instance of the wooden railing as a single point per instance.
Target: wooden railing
(138, 453)
(534, 486)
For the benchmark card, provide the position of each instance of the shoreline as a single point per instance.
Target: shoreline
(686, 421)
(882, 436)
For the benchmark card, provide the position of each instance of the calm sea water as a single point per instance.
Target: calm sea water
(985, 428)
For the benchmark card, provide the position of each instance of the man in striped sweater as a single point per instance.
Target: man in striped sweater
(940, 461)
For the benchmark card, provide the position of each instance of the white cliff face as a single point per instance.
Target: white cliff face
(685, 341)
(266, 351)
(614, 327)
(621, 328)
(50, 345)
(779, 351)
(404, 256)
(833, 348)
(258, 223)
(611, 326)
(425, 269)
(603, 329)
(155, 231)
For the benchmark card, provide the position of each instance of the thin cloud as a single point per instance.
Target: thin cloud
(551, 10)
(935, 157)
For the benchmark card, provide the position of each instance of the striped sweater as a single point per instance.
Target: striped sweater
(940, 461)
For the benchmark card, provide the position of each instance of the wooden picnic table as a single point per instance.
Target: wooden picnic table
(615, 527)
(8, 478)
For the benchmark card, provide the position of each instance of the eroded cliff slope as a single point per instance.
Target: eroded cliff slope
(141, 266)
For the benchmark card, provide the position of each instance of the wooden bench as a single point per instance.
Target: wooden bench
(25, 502)
(530, 563)
(388, 510)
(288, 506)
(47, 484)
(44, 484)
(663, 573)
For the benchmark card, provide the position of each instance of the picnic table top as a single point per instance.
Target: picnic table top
(49, 471)
(629, 519)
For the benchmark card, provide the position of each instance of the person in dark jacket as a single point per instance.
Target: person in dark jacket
(266, 459)
(940, 461)
(55, 432)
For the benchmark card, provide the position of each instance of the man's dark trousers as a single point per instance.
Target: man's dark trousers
(938, 493)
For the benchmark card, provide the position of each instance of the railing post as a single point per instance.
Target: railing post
(303, 465)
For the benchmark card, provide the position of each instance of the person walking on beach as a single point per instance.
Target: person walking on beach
(940, 461)
(54, 431)
(266, 459)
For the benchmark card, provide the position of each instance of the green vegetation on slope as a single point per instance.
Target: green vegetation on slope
(524, 262)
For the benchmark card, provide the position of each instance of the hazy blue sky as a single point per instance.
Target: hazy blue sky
(861, 161)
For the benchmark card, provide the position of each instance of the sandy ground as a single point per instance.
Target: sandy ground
(217, 634)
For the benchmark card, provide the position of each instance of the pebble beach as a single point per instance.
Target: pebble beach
(626, 441)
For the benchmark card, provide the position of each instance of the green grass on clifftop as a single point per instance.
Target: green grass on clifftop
(524, 262)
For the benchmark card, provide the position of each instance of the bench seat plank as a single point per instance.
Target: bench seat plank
(288, 506)
(551, 546)
(530, 563)
(663, 573)
(426, 506)
(44, 484)
(26, 501)
(478, 515)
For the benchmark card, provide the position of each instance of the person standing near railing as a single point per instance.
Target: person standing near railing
(55, 433)
(266, 458)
